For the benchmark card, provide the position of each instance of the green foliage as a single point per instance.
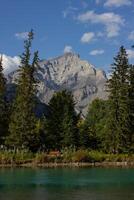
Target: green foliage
(118, 87)
(22, 128)
(93, 129)
(81, 156)
(68, 154)
(3, 106)
(61, 125)
(41, 157)
(84, 136)
(131, 110)
(15, 157)
(106, 134)
(109, 125)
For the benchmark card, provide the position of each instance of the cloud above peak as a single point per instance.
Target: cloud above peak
(10, 63)
(117, 3)
(111, 21)
(68, 49)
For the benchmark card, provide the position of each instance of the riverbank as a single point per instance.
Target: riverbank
(71, 165)
(65, 158)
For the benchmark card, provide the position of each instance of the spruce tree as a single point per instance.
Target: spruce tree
(131, 110)
(112, 138)
(22, 127)
(70, 120)
(61, 124)
(95, 124)
(3, 105)
(118, 86)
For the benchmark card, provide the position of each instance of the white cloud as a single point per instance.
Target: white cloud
(104, 18)
(96, 52)
(112, 30)
(68, 49)
(87, 37)
(130, 53)
(117, 3)
(10, 63)
(22, 35)
(110, 20)
(69, 11)
(131, 36)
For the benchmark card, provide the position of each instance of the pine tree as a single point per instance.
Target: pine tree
(3, 105)
(131, 110)
(70, 120)
(22, 127)
(61, 125)
(113, 120)
(118, 86)
(95, 123)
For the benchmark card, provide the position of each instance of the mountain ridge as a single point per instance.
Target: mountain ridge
(69, 72)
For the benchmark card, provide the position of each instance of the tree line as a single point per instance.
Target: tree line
(108, 125)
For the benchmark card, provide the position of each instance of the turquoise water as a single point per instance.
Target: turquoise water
(67, 184)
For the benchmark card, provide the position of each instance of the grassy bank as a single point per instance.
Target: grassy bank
(66, 157)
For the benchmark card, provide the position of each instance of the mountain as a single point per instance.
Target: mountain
(69, 72)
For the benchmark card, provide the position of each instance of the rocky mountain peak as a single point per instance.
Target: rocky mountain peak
(70, 72)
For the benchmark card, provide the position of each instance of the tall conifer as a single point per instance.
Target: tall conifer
(131, 110)
(22, 127)
(118, 86)
(61, 125)
(3, 106)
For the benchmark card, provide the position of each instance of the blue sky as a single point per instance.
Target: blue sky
(95, 29)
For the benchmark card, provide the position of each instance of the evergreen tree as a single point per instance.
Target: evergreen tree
(94, 125)
(131, 110)
(113, 119)
(61, 125)
(22, 127)
(118, 86)
(84, 136)
(69, 124)
(3, 105)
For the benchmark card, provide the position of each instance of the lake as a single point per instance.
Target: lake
(67, 184)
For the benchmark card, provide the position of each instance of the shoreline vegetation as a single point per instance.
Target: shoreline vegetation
(105, 137)
(66, 158)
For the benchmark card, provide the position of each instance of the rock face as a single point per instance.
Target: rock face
(70, 72)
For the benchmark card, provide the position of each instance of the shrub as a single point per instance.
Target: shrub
(67, 154)
(95, 156)
(81, 156)
(41, 157)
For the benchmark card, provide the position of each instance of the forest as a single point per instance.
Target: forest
(107, 128)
